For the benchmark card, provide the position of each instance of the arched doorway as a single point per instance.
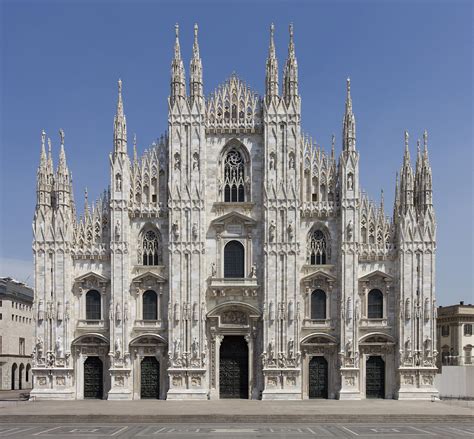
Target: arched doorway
(234, 368)
(14, 368)
(375, 377)
(20, 376)
(93, 378)
(318, 377)
(150, 378)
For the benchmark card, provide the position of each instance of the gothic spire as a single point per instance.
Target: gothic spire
(42, 182)
(178, 82)
(290, 89)
(271, 77)
(396, 203)
(406, 178)
(349, 125)
(427, 176)
(120, 125)
(195, 80)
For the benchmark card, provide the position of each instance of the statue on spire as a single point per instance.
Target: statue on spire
(349, 125)
(290, 89)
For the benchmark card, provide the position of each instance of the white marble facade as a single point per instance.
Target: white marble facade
(235, 239)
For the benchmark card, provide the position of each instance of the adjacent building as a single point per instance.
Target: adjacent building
(17, 330)
(235, 258)
(455, 339)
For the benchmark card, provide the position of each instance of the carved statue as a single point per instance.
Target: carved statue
(271, 349)
(59, 347)
(291, 348)
(213, 270)
(111, 310)
(117, 230)
(39, 348)
(194, 231)
(271, 230)
(247, 185)
(271, 311)
(125, 310)
(272, 161)
(350, 229)
(40, 310)
(117, 347)
(195, 161)
(349, 309)
(289, 229)
(118, 183)
(195, 348)
(357, 309)
(291, 313)
(67, 312)
(175, 229)
(176, 311)
(408, 345)
(176, 347)
(408, 309)
(177, 162)
(118, 312)
(253, 271)
(349, 348)
(195, 312)
(291, 161)
(59, 311)
(350, 182)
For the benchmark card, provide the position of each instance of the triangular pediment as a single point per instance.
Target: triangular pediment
(91, 276)
(376, 273)
(319, 274)
(234, 217)
(149, 278)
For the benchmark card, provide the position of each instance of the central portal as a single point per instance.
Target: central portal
(234, 368)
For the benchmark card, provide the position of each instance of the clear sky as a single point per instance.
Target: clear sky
(410, 64)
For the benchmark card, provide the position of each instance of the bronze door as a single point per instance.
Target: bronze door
(234, 368)
(375, 378)
(93, 378)
(150, 378)
(318, 377)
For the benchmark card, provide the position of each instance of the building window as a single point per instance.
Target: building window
(22, 346)
(1, 344)
(27, 374)
(468, 354)
(93, 305)
(467, 329)
(317, 248)
(1, 303)
(151, 248)
(234, 257)
(445, 330)
(375, 305)
(1, 317)
(234, 177)
(150, 305)
(318, 305)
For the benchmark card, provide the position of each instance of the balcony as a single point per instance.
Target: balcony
(92, 325)
(312, 323)
(244, 286)
(373, 323)
(146, 325)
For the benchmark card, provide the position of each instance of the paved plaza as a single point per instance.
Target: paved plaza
(249, 430)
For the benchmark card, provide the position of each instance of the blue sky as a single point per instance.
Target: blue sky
(410, 64)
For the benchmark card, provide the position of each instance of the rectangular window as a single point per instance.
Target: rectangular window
(22, 346)
(1, 317)
(0, 303)
(445, 330)
(467, 329)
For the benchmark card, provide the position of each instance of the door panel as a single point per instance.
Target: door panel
(93, 378)
(318, 378)
(233, 368)
(375, 378)
(150, 378)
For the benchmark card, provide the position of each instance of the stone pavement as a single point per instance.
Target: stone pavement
(233, 411)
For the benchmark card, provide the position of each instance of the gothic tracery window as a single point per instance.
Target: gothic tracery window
(317, 248)
(151, 248)
(234, 177)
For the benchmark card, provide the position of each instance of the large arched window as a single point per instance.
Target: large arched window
(151, 248)
(375, 305)
(317, 248)
(234, 257)
(93, 305)
(318, 305)
(150, 305)
(234, 177)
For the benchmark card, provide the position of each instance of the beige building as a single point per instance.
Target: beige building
(16, 334)
(455, 340)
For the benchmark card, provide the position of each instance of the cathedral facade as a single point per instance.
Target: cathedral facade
(234, 259)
